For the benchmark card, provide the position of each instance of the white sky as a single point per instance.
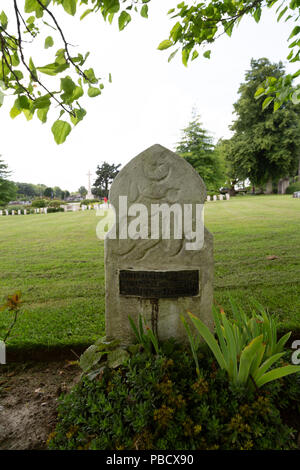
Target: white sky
(149, 100)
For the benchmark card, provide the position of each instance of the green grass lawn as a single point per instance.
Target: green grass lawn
(56, 261)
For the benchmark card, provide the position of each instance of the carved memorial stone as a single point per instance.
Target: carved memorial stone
(150, 274)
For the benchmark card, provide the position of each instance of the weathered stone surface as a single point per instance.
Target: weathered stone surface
(156, 176)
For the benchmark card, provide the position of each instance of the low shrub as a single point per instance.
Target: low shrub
(292, 188)
(16, 207)
(37, 203)
(55, 203)
(51, 210)
(158, 402)
(87, 202)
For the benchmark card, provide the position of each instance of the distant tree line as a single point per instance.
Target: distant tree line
(264, 150)
(31, 191)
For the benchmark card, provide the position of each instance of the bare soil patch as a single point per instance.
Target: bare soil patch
(28, 401)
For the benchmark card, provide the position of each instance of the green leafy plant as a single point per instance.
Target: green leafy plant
(247, 363)
(102, 353)
(259, 323)
(156, 402)
(194, 343)
(146, 339)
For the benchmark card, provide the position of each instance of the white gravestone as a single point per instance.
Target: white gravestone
(214, 198)
(159, 278)
(227, 196)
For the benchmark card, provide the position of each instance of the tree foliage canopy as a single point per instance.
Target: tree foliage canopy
(106, 173)
(265, 145)
(8, 189)
(196, 25)
(197, 147)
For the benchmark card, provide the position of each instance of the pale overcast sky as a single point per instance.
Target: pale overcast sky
(149, 100)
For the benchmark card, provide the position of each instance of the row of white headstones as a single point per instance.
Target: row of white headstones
(220, 197)
(44, 210)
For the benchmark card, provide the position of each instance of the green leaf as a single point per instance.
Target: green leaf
(14, 112)
(42, 102)
(49, 42)
(267, 101)
(124, 19)
(61, 130)
(3, 20)
(144, 11)
(248, 355)
(1, 98)
(70, 6)
(42, 114)
(32, 68)
(171, 56)
(53, 69)
(79, 115)
(257, 14)
(165, 44)
(277, 374)
(185, 56)
(209, 339)
(93, 91)
(295, 31)
(277, 105)
(207, 54)
(195, 55)
(90, 357)
(67, 85)
(176, 31)
(117, 357)
(282, 13)
(228, 27)
(87, 12)
(90, 74)
(259, 92)
(34, 6)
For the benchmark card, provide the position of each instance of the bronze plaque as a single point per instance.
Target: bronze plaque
(159, 284)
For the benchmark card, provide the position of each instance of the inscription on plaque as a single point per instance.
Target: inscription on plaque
(159, 284)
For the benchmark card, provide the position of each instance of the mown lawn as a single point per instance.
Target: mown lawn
(56, 261)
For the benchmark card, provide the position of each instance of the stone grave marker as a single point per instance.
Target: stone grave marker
(227, 195)
(214, 198)
(158, 274)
